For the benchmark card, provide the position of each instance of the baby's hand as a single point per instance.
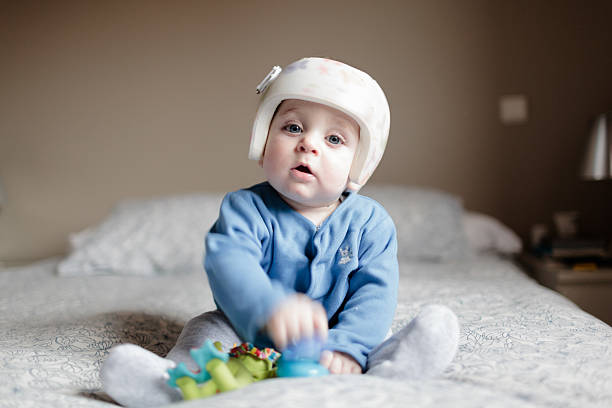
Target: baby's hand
(338, 362)
(295, 318)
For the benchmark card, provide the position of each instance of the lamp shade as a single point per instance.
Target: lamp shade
(598, 159)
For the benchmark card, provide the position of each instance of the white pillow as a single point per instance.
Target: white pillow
(145, 237)
(429, 222)
(166, 235)
(487, 234)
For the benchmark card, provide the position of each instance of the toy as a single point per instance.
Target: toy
(301, 359)
(220, 372)
(244, 364)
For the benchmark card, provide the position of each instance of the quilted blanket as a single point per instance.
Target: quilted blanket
(521, 345)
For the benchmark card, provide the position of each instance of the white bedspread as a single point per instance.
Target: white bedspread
(521, 345)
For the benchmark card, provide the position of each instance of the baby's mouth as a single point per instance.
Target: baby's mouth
(303, 169)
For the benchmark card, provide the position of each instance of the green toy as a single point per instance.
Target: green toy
(221, 372)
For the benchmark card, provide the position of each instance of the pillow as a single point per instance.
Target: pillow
(145, 237)
(487, 234)
(429, 222)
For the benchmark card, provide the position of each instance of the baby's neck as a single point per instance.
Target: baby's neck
(316, 215)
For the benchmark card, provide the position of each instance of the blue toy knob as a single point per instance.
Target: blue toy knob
(301, 359)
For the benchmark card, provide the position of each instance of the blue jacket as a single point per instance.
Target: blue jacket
(260, 251)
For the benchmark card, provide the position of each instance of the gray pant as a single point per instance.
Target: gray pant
(212, 325)
(215, 325)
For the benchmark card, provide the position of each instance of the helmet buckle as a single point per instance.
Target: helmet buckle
(272, 75)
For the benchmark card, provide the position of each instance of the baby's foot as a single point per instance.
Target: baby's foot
(135, 377)
(422, 349)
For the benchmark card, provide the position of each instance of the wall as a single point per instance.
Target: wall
(106, 100)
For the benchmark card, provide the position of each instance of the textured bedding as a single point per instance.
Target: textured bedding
(521, 345)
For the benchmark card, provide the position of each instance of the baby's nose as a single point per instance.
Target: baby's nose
(307, 144)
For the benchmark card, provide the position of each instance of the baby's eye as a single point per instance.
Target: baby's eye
(334, 139)
(293, 128)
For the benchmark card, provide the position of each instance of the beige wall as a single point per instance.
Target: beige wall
(106, 100)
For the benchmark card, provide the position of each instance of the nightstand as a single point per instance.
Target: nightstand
(589, 289)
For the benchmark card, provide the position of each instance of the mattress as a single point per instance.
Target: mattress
(521, 344)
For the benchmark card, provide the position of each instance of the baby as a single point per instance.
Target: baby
(303, 254)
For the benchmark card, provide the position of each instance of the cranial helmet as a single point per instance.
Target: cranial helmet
(339, 86)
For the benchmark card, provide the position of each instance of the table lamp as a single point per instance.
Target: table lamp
(597, 163)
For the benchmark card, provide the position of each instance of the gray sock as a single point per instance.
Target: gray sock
(422, 349)
(135, 377)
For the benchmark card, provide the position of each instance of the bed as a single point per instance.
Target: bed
(135, 277)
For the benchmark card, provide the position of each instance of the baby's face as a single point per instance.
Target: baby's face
(309, 152)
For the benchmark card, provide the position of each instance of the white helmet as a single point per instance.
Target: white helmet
(339, 86)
